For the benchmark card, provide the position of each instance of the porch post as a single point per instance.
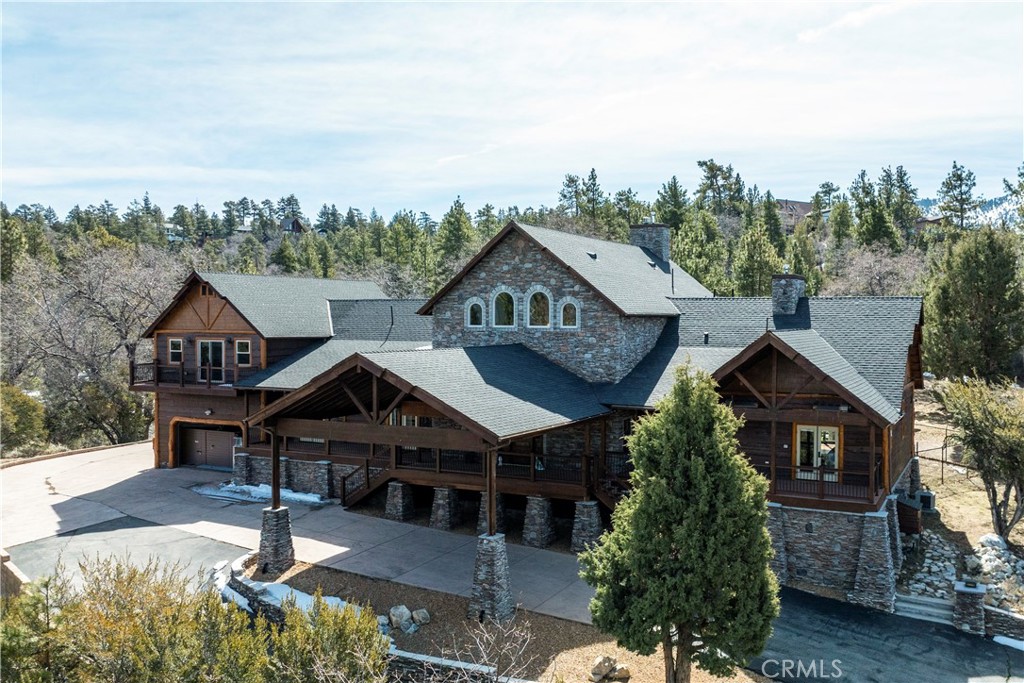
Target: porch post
(872, 488)
(275, 469)
(492, 491)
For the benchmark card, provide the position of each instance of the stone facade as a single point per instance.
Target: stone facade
(276, 550)
(820, 547)
(605, 346)
(499, 516)
(1000, 622)
(538, 526)
(895, 539)
(875, 581)
(777, 530)
(399, 506)
(492, 592)
(445, 513)
(586, 525)
(321, 477)
(969, 607)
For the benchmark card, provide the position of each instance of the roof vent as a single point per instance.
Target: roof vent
(652, 264)
(592, 254)
(707, 336)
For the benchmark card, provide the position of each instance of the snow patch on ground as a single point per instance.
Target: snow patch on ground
(256, 494)
(1010, 642)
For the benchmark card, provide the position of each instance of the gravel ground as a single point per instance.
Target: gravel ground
(558, 647)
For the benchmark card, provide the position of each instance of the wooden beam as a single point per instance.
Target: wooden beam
(275, 469)
(804, 416)
(793, 393)
(375, 401)
(392, 435)
(355, 400)
(491, 462)
(755, 392)
(775, 377)
(391, 407)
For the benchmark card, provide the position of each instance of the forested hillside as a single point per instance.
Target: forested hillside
(79, 291)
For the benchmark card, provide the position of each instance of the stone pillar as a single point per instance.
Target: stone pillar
(915, 477)
(445, 513)
(586, 525)
(240, 469)
(969, 607)
(276, 551)
(875, 581)
(499, 506)
(492, 593)
(399, 506)
(777, 530)
(538, 529)
(895, 540)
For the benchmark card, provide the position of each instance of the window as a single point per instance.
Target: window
(540, 310)
(174, 351)
(504, 310)
(211, 361)
(204, 290)
(570, 316)
(817, 452)
(243, 352)
(474, 313)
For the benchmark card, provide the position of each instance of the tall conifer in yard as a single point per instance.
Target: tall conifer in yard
(755, 261)
(686, 563)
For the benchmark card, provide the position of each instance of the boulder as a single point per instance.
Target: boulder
(409, 627)
(399, 614)
(601, 667)
(620, 673)
(992, 541)
(421, 616)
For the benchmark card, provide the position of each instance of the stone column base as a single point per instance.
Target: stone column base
(777, 530)
(492, 593)
(538, 529)
(499, 517)
(969, 607)
(895, 540)
(399, 507)
(445, 513)
(586, 525)
(915, 477)
(240, 469)
(277, 553)
(875, 581)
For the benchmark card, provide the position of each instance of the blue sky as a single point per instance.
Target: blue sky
(408, 105)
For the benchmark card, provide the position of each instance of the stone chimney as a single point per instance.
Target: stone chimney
(653, 237)
(786, 292)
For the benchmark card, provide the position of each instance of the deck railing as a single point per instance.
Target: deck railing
(155, 375)
(825, 482)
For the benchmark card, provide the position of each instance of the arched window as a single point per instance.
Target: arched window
(504, 310)
(475, 313)
(540, 310)
(569, 315)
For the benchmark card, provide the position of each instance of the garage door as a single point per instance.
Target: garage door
(206, 447)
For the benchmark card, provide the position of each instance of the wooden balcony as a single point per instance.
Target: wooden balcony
(154, 377)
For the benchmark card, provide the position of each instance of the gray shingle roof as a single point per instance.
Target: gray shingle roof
(282, 307)
(872, 334)
(381, 319)
(634, 279)
(300, 368)
(508, 390)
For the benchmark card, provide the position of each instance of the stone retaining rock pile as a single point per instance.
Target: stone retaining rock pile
(992, 563)
(937, 573)
(403, 619)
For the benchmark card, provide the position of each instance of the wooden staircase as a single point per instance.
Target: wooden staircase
(365, 478)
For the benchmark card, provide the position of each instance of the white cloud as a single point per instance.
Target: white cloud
(854, 19)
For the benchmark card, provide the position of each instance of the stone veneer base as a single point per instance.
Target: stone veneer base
(277, 553)
(492, 592)
(399, 507)
(586, 525)
(499, 521)
(445, 512)
(538, 527)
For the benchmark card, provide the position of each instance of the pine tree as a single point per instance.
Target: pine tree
(699, 249)
(877, 228)
(754, 262)
(685, 565)
(454, 239)
(13, 245)
(629, 208)
(862, 196)
(1016, 192)
(840, 223)
(956, 197)
(328, 219)
(802, 256)
(672, 204)
(974, 309)
(772, 221)
(252, 256)
(285, 257)
(591, 201)
(288, 207)
(570, 196)
(487, 223)
(828, 190)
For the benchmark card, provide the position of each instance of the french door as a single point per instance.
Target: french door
(817, 448)
(211, 360)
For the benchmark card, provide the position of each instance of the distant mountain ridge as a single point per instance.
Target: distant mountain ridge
(995, 211)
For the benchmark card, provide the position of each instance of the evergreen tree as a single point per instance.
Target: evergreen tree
(13, 245)
(454, 239)
(252, 256)
(285, 257)
(288, 207)
(956, 197)
(629, 208)
(672, 205)
(1016, 192)
(487, 223)
(877, 228)
(376, 230)
(571, 196)
(685, 565)
(698, 248)
(772, 221)
(591, 201)
(802, 256)
(840, 223)
(862, 196)
(754, 262)
(974, 309)
(827, 190)
(899, 198)
(328, 219)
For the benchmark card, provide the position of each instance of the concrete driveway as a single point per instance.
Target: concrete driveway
(112, 501)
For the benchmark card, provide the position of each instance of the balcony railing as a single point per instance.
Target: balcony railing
(860, 484)
(154, 375)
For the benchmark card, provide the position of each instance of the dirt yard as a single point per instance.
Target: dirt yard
(558, 648)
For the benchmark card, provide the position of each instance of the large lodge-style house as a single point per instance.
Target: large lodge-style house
(529, 368)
